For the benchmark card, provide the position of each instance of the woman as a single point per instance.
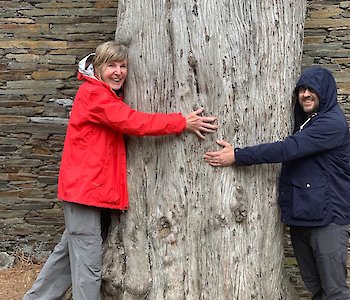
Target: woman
(93, 170)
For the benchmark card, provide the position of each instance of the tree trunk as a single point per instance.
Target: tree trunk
(193, 231)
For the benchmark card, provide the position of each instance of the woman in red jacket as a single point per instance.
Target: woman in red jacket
(93, 170)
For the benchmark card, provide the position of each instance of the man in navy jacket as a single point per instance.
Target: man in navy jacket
(314, 185)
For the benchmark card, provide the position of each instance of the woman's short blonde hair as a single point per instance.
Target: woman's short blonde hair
(109, 52)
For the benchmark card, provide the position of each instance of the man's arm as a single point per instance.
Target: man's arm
(321, 136)
(223, 157)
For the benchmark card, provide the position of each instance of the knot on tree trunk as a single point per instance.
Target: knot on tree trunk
(239, 211)
(164, 227)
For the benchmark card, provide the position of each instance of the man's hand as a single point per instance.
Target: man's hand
(198, 124)
(221, 158)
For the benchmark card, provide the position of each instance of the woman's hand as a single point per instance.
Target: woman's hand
(223, 157)
(198, 124)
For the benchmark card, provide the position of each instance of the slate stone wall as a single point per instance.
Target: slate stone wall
(41, 43)
(327, 43)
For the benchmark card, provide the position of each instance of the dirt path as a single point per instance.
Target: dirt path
(16, 281)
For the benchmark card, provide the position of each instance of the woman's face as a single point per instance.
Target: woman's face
(114, 73)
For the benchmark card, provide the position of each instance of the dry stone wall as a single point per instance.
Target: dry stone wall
(327, 43)
(41, 43)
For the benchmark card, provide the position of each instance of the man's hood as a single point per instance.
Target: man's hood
(85, 66)
(323, 83)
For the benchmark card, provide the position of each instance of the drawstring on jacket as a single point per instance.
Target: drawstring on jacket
(307, 121)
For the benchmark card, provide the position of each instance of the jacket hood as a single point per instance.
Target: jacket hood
(85, 66)
(323, 83)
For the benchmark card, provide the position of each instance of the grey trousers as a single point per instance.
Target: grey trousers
(322, 253)
(76, 260)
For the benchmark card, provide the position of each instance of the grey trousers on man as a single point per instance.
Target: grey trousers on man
(76, 260)
(322, 253)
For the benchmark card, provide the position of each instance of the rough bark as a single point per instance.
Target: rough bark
(192, 231)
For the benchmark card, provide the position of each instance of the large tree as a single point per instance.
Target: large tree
(192, 231)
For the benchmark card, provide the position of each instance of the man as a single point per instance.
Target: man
(314, 185)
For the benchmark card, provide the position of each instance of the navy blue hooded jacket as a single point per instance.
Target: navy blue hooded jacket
(314, 187)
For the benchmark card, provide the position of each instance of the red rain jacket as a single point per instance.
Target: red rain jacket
(93, 166)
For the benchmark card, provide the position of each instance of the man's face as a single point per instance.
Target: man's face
(308, 100)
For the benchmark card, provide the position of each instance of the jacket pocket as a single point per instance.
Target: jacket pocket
(308, 198)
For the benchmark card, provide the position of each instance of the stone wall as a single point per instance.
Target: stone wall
(327, 43)
(41, 43)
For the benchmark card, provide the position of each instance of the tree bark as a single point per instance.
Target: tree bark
(193, 231)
